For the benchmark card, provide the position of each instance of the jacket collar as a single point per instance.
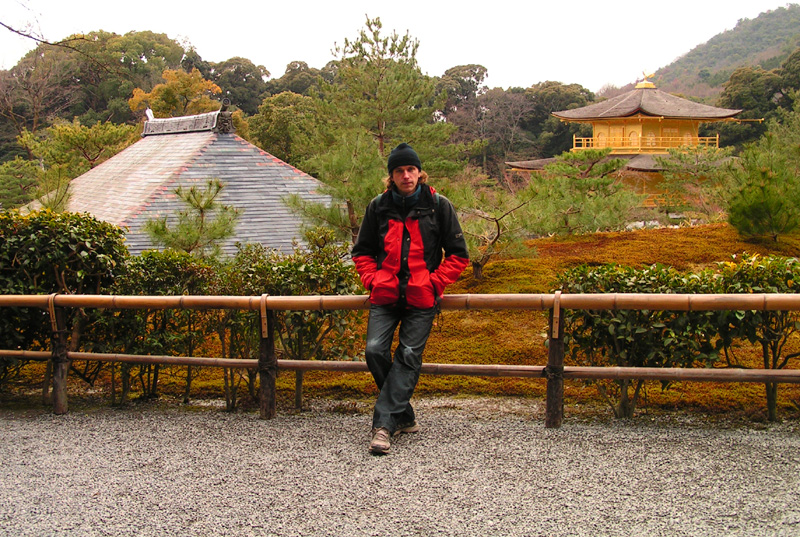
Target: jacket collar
(423, 203)
(406, 202)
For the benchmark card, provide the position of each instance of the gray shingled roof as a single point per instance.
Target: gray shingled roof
(138, 184)
(649, 102)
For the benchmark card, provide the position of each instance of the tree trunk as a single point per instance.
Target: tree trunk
(226, 388)
(252, 384)
(229, 376)
(234, 389)
(353, 219)
(48, 379)
(626, 405)
(477, 271)
(154, 384)
(113, 383)
(125, 382)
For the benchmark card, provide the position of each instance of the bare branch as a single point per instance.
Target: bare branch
(64, 43)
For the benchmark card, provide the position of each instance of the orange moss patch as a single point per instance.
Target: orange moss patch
(489, 337)
(683, 248)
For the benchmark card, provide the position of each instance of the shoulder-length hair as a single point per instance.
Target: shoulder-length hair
(423, 178)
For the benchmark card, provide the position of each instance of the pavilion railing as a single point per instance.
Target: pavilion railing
(642, 144)
(267, 363)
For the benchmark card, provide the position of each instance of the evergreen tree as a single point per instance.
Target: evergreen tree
(350, 171)
(201, 226)
(693, 180)
(766, 191)
(378, 98)
(493, 219)
(19, 180)
(582, 192)
(379, 89)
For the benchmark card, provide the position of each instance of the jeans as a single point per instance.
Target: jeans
(396, 379)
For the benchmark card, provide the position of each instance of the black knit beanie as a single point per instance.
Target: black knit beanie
(403, 155)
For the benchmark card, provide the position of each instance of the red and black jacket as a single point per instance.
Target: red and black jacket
(399, 259)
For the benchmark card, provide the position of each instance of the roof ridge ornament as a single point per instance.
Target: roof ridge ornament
(225, 119)
(220, 121)
(645, 82)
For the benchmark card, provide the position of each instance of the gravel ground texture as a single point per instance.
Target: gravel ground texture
(478, 467)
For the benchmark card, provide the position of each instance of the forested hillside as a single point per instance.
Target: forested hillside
(765, 41)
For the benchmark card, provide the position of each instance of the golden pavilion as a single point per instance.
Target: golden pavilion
(645, 120)
(639, 124)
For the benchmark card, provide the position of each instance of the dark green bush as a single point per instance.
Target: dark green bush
(645, 338)
(173, 332)
(769, 330)
(46, 252)
(634, 338)
(315, 268)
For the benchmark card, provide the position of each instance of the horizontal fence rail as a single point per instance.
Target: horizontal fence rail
(267, 364)
(474, 370)
(588, 301)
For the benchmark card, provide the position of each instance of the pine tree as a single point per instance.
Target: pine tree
(582, 192)
(378, 99)
(766, 191)
(693, 179)
(201, 227)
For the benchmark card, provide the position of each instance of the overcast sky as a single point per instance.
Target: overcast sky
(519, 42)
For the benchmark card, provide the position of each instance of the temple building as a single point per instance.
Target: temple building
(639, 124)
(139, 183)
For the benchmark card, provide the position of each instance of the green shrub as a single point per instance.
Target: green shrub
(634, 338)
(46, 252)
(315, 268)
(769, 330)
(645, 338)
(174, 332)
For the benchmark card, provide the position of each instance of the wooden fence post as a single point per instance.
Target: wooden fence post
(554, 371)
(59, 357)
(267, 363)
(298, 389)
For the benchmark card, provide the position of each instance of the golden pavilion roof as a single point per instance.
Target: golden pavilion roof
(646, 101)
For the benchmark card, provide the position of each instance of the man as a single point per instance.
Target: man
(398, 255)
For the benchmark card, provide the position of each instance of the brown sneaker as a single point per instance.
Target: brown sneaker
(406, 428)
(380, 441)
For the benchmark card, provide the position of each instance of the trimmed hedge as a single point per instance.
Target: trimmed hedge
(644, 338)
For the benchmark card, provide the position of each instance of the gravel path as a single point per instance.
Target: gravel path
(478, 467)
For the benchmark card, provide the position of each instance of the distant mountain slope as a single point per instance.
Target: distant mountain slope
(765, 41)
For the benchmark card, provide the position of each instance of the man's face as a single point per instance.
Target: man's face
(405, 178)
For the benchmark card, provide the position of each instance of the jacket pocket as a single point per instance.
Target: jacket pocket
(385, 288)
(420, 292)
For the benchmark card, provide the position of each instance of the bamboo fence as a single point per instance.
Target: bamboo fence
(267, 363)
